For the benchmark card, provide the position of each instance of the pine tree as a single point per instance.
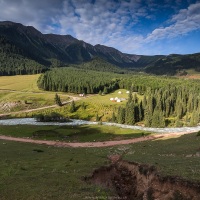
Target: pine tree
(144, 101)
(72, 107)
(141, 111)
(136, 113)
(135, 98)
(121, 115)
(57, 100)
(194, 118)
(147, 119)
(155, 119)
(113, 117)
(105, 90)
(158, 119)
(129, 114)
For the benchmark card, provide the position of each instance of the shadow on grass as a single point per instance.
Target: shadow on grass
(84, 134)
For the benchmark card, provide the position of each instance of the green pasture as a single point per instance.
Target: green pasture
(21, 89)
(102, 105)
(86, 108)
(105, 99)
(24, 91)
(19, 83)
(30, 171)
(83, 133)
(172, 156)
(192, 72)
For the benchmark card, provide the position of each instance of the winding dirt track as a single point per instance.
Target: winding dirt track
(41, 108)
(92, 144)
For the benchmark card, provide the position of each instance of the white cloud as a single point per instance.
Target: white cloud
(105, 22)
(34, 13)
(185, 21)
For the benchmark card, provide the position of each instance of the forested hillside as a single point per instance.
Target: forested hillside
(174, 105)
(25, 50)
(173, 64)
(98, 64)
(78, 81)
(15, 62)
(163, 100)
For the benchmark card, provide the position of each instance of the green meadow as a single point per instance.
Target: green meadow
(35, 172)
(22, 91)
(30, 171)
(83, 133)
(19, 83)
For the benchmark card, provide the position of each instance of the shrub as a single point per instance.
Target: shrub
(198, 133)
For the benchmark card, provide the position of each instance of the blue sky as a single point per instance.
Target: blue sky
(144, 27)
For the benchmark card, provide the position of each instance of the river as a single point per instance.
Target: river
(75, 122)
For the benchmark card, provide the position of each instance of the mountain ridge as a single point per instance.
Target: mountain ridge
(43, 51)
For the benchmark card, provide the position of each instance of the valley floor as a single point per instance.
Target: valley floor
(94, 144)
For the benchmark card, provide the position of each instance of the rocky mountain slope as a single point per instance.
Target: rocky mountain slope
(25, 50)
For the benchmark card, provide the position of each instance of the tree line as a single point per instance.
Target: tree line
(173, 105)
(78, 81)
(70, 79)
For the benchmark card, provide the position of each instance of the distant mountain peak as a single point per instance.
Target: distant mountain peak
(52, 50)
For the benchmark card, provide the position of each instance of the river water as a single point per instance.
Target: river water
(75, 122)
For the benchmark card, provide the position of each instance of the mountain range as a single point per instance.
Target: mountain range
(24, 49)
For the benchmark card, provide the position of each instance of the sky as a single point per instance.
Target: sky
(143, 27)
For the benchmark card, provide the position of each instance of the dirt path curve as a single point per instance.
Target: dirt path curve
(92, 144)
(41, 108)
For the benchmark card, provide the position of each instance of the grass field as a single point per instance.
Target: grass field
(29, 171)
(102, 105)
(84, 133)
(19, 83)
(173, 156)
(38, 172)
(20, 89)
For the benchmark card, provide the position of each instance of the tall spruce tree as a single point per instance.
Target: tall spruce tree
(57, 100)
(129, 114)
(72, 107)
(121, 115)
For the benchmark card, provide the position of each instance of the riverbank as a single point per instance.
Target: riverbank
(75, 122)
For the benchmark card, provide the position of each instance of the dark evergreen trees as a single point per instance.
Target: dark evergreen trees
(57, 100)
(121, 115)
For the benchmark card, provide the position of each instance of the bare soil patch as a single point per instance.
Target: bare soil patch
(130, 180)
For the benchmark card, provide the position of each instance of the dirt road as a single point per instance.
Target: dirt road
(92, 144)
(41, 108)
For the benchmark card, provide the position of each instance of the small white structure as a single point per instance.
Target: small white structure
(119, 92)
(81, 95)
(127, 92)
(111, 99)
(118, 100)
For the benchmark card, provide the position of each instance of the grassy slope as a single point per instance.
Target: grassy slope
(94, 104)
(56, 173)
(172, 156)
(24, 88)
(19, 83)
